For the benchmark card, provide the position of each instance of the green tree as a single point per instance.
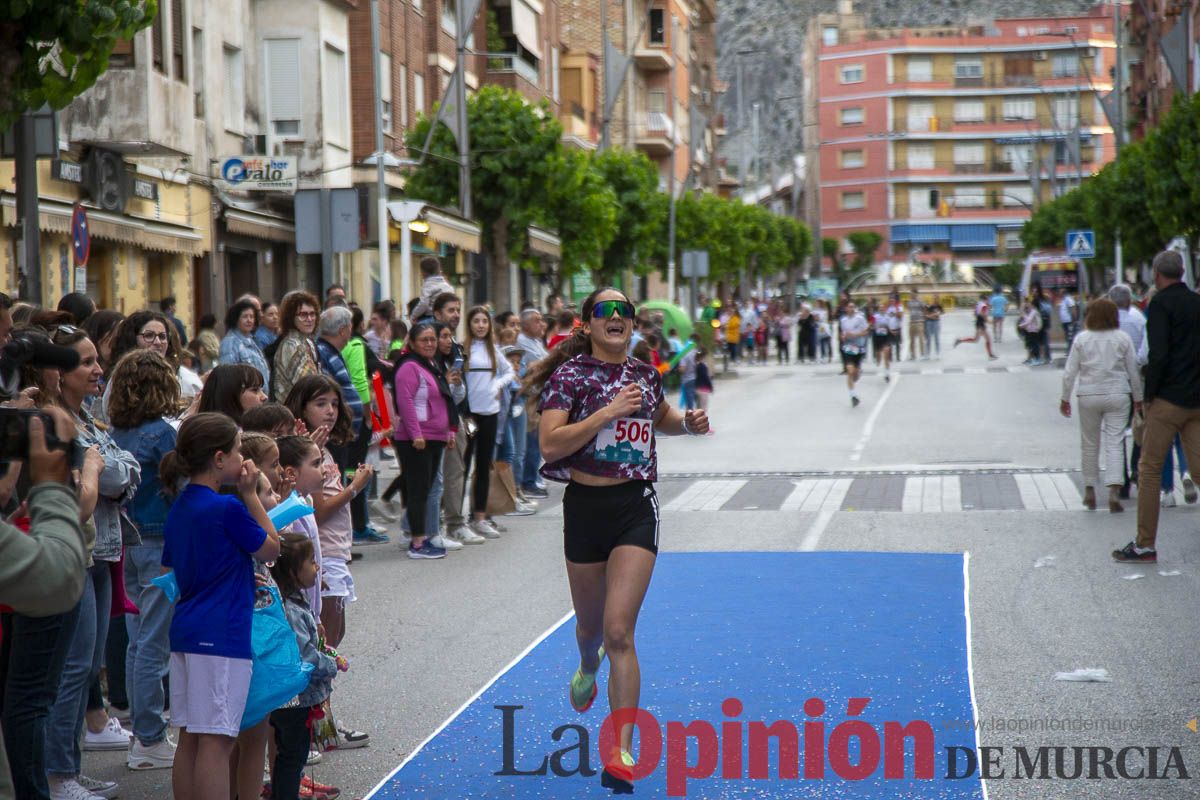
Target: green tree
(514, 150)
(1171, 166)
(865, 243)
(53, 50)
(640, 237)
(583, 208)
(1050, 222)
(1009, 274)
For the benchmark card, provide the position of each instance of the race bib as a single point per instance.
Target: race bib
(626, 441)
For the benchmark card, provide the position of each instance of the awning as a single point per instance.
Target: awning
(920, 234)
(453, 230)
(525, 26)
(55, 217)
(973, 237)
(259, 225)
(544, 243)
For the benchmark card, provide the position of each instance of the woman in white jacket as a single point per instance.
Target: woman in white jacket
(488, 375)
(1103, 362)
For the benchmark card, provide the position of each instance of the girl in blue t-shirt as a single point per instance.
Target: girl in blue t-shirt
(210, 541)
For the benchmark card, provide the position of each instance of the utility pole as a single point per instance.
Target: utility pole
(1119, 129)
(385, 264)
(603, 75)
(671, 168)
(29, 258)
(464, 139)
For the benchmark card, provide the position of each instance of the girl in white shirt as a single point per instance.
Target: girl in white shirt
(488, 375)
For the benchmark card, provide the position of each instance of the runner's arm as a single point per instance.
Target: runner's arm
(559, 439)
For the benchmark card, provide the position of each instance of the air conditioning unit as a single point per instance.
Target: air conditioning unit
(1039, 55)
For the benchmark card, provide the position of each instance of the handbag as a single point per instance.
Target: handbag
(278, 674)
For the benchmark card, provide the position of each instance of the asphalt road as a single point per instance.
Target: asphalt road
(424, 637)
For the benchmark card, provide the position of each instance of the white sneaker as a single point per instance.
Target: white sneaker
(522, 510)
(160, 755)
(314, 758)
(98, 787)
(1168, 500)
(1189, 489)
(465, 535)
(384, 509)
(485, 528)
(113, 737)
(70, 789)
(445, 542)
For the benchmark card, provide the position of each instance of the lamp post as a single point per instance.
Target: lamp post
(404, 212)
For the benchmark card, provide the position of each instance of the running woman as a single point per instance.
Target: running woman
(894, 314)
(600, 412)
(981, 327)
(853, 328)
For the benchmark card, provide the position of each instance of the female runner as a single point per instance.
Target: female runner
(600, 411)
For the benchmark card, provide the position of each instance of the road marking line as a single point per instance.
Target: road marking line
(816, 500)
(1067, 490)
(813, 537)
(931, 494)
(869, 427)
(974, 371)
(970, 660)
(721, 494)
(931, 371)
(1030, 498)
(688, 499)
(1019, 369)
(837, 494)
(795, 500)
(951, 493)
(911, 504)
(1049, 492)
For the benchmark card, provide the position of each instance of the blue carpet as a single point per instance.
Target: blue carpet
(770, 629)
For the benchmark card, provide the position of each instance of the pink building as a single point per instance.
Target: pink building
(943, 140)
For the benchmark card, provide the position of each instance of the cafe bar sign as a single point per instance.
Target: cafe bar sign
(258, 173)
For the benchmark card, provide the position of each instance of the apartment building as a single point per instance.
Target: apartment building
(944, 140)
(667, 104)
(1162, 57)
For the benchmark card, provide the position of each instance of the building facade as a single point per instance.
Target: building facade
(944, 140)
(1162, 58)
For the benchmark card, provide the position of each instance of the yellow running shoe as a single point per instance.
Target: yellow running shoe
(583, 687)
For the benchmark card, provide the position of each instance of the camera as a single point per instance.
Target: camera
(27, 348)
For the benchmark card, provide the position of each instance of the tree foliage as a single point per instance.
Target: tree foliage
(865, 243)
(641, 223)
(53, 50)
(583, 208)
(1172, 163)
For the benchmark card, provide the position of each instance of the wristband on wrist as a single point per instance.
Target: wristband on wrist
(686, 430)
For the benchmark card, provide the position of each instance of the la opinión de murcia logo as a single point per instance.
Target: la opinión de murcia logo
(903, 750)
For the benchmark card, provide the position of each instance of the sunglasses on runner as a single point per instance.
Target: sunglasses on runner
(606, 308)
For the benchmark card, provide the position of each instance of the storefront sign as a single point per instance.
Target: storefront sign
(258, 173)
(145, 190)
(67, 171)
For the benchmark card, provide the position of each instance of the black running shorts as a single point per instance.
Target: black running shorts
(597, 519)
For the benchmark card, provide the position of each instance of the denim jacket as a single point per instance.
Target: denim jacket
(320, 680)
(118, 484)
(148, 443)
(239, 349)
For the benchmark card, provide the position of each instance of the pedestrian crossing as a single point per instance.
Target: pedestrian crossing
(933, 493)
(874, 371)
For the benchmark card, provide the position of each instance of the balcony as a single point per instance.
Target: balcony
(514, 72)
(655, 134)
(138, 112)
(653, 56)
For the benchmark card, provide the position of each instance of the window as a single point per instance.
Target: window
(234, 90)
(656, 102)
(1019, 108)
(969, 153)
(450, 17)
(122, 55)
(156, 41)
(920, 116)
(1022, 31)
(922, 203)
(1017, 196)
(853, 73)
(854, 201)
(1070, 30)
(920, 156)
(333, 96)
(1065, 65)
(178, 63)
(419, 93)
(285, 99)
(1012, 241)
(969, 197)
(1042, 30)
(1066, 111)
(554, 74)
(657, 33)
(1019, 156)
(416, 4)
(385, 90)
(852, 116)
(969, 111)
(920, 68)
(404, 97)
(968, 69)
(198, 72)
(829, 35)
(1097, 27)
(852, 159)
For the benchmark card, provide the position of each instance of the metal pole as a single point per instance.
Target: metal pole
(671, 168)
(405, 260)
(464, 139)
(754, 147)
(385, 261)
(1119, 131)
(326, 238)
(29, 256)
(603, 74)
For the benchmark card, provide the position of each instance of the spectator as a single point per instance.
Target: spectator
(233, 389)
(101, 328)
(335, 295)
(378, 337)
(361, 364)
(206, 344)
(239, 345)
(433, 284)
(167, 306)
(268, 326)
(1172, 404)
(78, 305)
(6, 320)
(529, 458)
(294, 354)
(563, 329)
(151, 330)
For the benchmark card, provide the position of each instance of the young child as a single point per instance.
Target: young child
(295, 573)
(211, 541)
(270, 418)
(300, 463)
(704, 385)
(316, 400)
(233, 389)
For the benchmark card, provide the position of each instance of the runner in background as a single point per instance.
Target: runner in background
(853, 329)
(981, 327)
